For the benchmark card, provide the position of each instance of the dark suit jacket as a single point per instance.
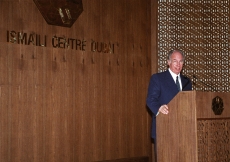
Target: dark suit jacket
(162, 89)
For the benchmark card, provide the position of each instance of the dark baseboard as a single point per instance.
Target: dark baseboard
(134, 159)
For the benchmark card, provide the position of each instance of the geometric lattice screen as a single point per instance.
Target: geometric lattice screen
(201, 29)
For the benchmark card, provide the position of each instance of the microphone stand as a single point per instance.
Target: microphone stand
(194, 76)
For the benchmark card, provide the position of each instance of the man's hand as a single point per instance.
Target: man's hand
(164, 109)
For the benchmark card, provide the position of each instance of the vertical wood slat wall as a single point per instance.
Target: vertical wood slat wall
(72, 105)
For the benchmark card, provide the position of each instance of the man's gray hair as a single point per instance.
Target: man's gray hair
(175, 50)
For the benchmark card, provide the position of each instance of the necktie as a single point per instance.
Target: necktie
(178, 84)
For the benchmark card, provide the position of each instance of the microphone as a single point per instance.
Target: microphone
(187, 78)
(207, 85)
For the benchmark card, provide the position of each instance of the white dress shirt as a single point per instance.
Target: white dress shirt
(174, 78)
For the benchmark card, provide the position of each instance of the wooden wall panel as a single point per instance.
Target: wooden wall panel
(63, 104)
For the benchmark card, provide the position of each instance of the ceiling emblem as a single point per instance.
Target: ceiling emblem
(60, 12)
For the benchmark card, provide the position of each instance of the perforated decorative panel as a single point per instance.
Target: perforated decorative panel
(200, 28)
(213, 140)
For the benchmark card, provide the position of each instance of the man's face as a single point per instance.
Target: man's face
(176, 62)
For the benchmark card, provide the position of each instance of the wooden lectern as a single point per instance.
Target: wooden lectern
(192, 132)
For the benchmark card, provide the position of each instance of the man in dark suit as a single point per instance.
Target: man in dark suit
(164, 86)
